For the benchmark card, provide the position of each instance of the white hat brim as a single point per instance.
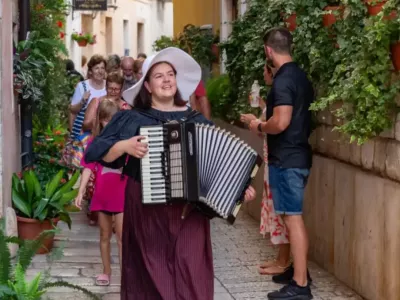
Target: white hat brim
(188, 72)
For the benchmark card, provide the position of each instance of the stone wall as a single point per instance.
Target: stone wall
(9, 109)
(352, 208)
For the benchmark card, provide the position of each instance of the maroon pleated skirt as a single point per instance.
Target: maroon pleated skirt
(164, 256)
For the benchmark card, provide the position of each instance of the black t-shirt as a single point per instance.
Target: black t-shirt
(290, 148)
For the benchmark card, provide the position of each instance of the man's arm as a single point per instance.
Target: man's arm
(279, 121)
(283, 101)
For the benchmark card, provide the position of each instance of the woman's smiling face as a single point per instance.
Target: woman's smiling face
(98, 71)
(162, 81)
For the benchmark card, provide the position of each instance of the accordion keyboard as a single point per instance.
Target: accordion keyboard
(153, 164)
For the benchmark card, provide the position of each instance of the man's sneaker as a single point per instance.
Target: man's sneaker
(292, 292)
(287, 276)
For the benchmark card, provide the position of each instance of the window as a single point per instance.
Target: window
(109, 36)
(140, 37)
(126, 38)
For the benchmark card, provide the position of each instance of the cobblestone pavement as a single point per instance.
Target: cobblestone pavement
(238, 250)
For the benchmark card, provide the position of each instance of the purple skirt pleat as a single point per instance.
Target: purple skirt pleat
(164, 256)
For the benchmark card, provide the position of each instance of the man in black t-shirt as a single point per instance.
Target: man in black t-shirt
(288, 128)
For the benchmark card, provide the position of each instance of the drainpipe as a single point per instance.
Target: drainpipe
(26, 104)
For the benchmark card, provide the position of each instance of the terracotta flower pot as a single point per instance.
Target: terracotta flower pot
(82, 43)
(395, 50)
(329, 19)
(291, 20)
(374, 9)
(30, 229)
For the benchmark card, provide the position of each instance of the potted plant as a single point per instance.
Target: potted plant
(335, 10)
(374, 7)
(39, 207)
(13, 283)
(83, 39)
(291, 21)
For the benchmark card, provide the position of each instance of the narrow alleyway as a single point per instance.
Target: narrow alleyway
(238, 250)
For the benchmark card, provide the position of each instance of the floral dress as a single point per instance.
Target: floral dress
(270, 222)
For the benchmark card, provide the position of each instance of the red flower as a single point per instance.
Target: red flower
(52, 160)
(19, 174)
(63, 180)
(39, 6)
(60, 24)
(62, 34)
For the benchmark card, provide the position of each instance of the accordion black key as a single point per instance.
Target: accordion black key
(196, 163)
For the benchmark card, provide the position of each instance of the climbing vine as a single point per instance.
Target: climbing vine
(348, 61)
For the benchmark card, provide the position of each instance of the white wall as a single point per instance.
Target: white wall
(155, 15)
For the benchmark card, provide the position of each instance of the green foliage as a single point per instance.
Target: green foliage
(47, 20)
(193, 40)
(13, 283)
(349, 63)
(33, 200)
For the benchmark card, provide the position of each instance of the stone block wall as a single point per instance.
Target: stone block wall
(352, 207)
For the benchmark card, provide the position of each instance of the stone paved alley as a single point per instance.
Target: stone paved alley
(238, 250)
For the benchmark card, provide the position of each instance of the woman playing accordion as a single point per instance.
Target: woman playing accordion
(164, 255)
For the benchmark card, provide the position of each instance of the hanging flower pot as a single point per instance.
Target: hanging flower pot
(82, 43)
(375, 7)
(329, 19)
(395, 51)
(291, 21)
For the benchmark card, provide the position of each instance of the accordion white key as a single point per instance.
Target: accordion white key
(197, 163)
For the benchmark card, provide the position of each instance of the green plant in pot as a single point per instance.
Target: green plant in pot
(13, 282)
(41, 207)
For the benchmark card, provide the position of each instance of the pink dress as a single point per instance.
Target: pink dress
(270, 222)
(109, 188)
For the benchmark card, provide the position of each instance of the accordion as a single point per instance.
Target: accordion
(199, 164)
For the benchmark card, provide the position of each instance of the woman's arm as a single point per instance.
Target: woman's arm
(132, 146)
(115, 152)
(90, 115)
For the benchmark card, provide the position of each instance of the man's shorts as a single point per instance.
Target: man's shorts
(287, 188)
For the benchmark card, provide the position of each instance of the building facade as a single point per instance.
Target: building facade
(9, 108)
(198, 13)
(127, 28)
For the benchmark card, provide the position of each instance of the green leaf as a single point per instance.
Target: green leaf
(16, 183)
(67, 197)
(66, 219)
(69, 185)
(33, 286)
(21, 204)
(29, 185)
(41, 209)
(5, 261)
(5, 291)
(54, 183)
(36, 185)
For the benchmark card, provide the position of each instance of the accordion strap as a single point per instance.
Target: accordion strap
(190, 114)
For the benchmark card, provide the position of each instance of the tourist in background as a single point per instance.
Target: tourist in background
(113, 63)
(108, 195)
(199, 101)
(127, 71)
(288, 128)
(270, 222)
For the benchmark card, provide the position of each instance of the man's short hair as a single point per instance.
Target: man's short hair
(279, 39)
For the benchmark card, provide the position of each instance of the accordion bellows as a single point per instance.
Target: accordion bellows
(197, 163)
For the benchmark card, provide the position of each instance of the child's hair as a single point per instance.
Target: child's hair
(106, 110)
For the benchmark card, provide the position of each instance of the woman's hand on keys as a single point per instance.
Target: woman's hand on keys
(135, 147)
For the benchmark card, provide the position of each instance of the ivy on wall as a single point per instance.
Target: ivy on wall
(346, 53)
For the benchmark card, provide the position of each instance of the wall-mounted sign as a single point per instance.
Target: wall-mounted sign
(90, 4)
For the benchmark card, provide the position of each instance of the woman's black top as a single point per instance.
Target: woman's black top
(125, 125)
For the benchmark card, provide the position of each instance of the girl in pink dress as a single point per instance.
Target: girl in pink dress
(108, 196)
(270, 222)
